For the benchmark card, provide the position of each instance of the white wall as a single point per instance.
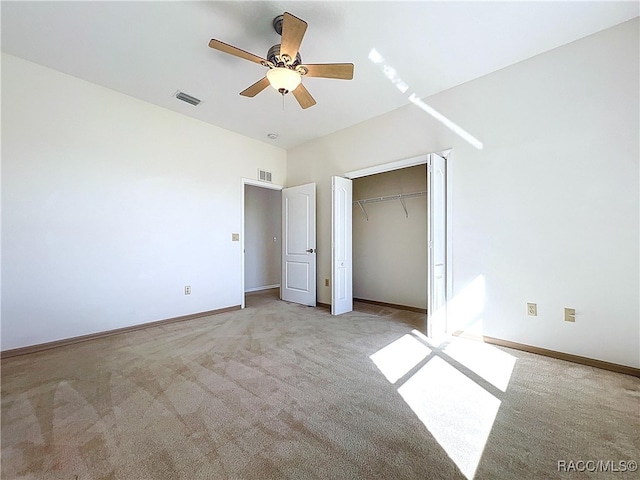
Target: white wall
(262, 223)
(390, 249)
(547, 212)
(110, 206)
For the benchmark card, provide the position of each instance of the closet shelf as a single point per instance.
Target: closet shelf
(400, 196)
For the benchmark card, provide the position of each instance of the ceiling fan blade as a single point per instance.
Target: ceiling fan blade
(343, 71)
(230, 49)
(256, 88)
(292, 32)
(303, 97)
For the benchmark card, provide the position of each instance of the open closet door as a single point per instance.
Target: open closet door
(437, 238)
(298, 282)
(341, 246)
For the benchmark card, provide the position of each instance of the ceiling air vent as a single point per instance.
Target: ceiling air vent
(187, 98)
(264, 176)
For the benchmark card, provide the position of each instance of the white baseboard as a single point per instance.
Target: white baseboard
(265, 287)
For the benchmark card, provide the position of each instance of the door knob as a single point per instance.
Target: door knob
(311, 250)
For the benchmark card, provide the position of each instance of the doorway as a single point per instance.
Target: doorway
(278, 234)
(261, 237)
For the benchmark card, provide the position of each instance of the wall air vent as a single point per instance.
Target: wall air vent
(187, 98)
(264, 176)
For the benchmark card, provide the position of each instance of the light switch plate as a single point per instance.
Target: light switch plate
(569, 314)
(235, 237)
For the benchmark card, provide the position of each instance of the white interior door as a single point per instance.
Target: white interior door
(341, 246)
(298, 282)
(437, 237)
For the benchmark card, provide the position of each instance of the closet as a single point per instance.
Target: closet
(390, 237)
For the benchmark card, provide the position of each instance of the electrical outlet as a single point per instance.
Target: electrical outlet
(235, 237)
(187, 290)
(326, 282)
(532, 309)
(569, 314)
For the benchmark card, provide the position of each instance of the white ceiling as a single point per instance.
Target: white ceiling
(149, 50)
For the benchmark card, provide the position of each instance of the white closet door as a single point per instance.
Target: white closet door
(437, 237)
(341, 246)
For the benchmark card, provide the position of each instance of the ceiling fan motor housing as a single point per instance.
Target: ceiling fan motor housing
(273, 56)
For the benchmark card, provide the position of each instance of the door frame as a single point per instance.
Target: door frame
(411, 162)
(253, 183)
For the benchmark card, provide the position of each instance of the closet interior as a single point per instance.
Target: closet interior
(390, 237)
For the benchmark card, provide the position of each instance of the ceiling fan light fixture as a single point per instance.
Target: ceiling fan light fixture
(284, 79)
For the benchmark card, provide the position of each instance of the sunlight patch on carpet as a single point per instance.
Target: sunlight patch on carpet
(451, 402)
(457, 411)
(398, 358)
(491, 363)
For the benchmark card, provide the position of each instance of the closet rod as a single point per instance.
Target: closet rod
(391, 197)
(400, 196)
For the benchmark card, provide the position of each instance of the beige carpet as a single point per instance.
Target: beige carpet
(284, 391)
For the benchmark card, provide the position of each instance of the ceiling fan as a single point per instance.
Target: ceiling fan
(285, 64)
